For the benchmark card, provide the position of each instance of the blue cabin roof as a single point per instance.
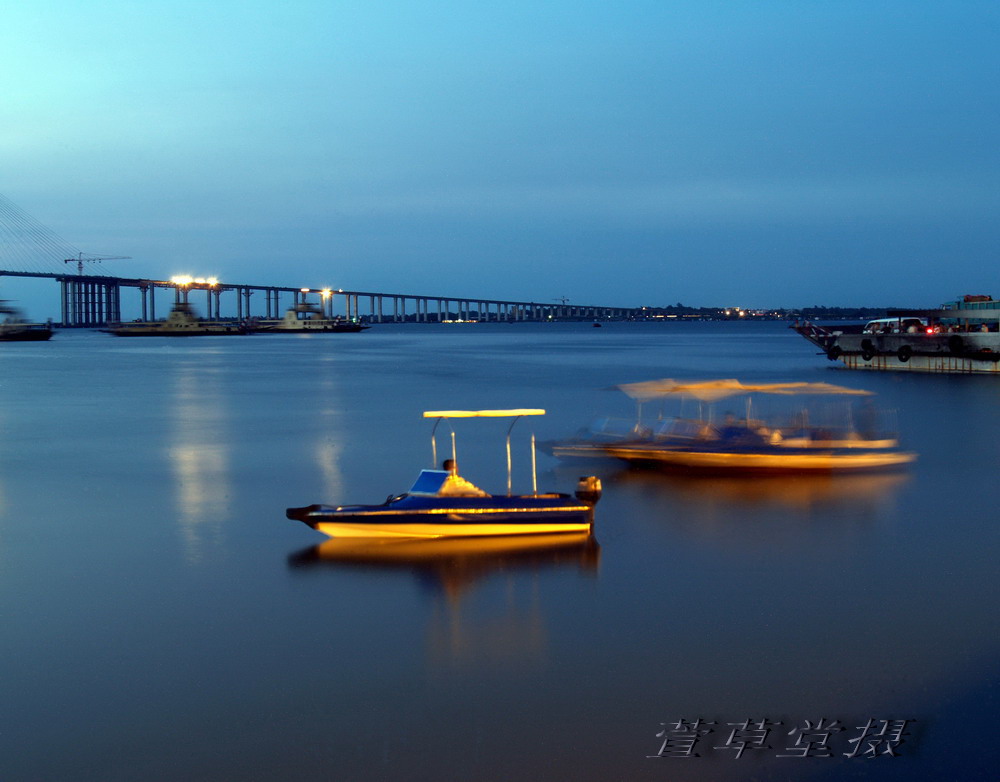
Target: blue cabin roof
(429, 482)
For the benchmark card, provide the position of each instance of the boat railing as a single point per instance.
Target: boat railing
(616, 429)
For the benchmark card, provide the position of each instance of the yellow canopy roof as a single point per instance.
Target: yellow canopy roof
(711, 390)
(482, 413)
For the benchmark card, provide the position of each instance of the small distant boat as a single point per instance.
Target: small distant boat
(735, 445)
(181, 322)
(14, 328)
(443, 504)
(307, 318)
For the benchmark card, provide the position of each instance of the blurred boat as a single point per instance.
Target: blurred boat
(307, 318)
(181, 322)
(748, 444)
(14, 328)
(443, 504)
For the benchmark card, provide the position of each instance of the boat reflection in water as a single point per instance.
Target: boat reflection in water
(789, 492)
(505, 627)
(453, 564)
(768, 514)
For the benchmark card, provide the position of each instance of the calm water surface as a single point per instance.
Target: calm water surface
(162, 620)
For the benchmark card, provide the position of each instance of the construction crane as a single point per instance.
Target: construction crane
(79, 260)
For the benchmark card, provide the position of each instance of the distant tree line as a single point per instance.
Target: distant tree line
(815, 312)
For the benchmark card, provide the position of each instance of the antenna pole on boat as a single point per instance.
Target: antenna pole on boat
(434, 445)
(509, 428)
(434, 448)
(534, 475)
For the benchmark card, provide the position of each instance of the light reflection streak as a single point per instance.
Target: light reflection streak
(200, 458)
(329, 447)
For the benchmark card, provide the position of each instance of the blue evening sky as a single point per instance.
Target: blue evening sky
(631, 153)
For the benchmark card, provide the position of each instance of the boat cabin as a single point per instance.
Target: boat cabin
(443, 483)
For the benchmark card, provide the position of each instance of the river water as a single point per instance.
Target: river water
(163, 620)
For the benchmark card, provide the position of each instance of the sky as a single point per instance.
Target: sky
(756, 154)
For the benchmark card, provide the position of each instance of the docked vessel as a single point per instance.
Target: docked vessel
(443, 504)
(181, 322)
(308, 319)
(14, 328)
(962, 336)
(749, 444)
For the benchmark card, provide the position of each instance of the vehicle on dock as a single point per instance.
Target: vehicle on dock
(962, 336)
(443, 504)
(790, 443)
(307, 318)
(15, 328)
(181, 322)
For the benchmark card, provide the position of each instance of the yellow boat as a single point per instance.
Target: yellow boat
(443, 504)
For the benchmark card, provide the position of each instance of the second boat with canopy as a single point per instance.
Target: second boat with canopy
(748, 442)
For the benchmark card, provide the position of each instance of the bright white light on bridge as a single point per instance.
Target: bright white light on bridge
(187, 279)
(303, 290)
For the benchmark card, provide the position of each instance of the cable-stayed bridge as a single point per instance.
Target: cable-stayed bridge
(30, 249)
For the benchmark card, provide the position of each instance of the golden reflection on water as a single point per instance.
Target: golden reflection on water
(200, 457)
(786, 508)
(513, 634)
(796, 492)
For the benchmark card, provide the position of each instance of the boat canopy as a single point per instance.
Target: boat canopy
(712, 390)
(482, 413)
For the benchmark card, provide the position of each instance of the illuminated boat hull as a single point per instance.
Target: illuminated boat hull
(777, 460)
(436, 517)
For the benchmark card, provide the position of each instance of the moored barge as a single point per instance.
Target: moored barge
(962, 336)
